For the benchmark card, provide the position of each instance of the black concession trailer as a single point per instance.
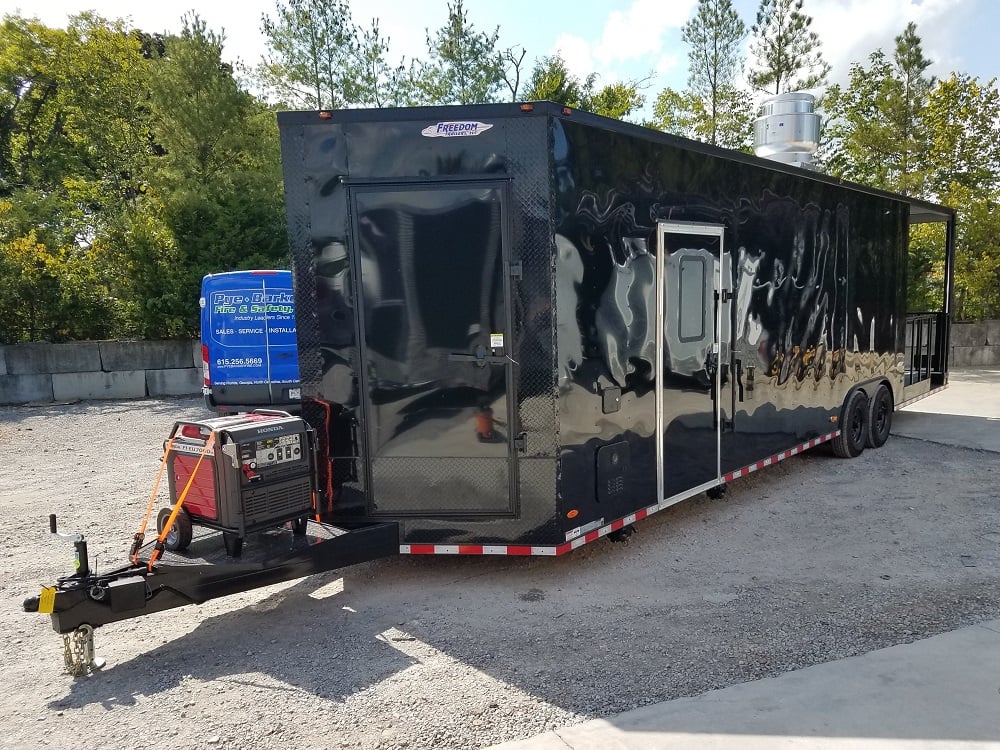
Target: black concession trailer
(524, 327)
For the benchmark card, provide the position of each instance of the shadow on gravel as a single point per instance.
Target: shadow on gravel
(708, 594)
(309, 645)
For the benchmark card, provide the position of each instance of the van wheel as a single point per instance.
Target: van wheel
(853, 426)
(879, 418)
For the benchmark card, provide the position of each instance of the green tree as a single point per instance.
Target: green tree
(961, 166)
(874, 133)
(551, 80)
(786, 52)
(684, 113)
(311, 53)
(215, 202)
(714, 36)
(464, 65)
(377, 83)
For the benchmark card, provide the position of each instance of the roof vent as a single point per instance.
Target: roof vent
(787, 129)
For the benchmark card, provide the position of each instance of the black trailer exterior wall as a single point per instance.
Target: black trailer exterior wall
(522, 328)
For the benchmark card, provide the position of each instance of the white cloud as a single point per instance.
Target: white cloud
(576, 53)
(637, 32)
(851, 30)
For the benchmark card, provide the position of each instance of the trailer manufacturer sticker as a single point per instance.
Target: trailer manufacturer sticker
(455, 129)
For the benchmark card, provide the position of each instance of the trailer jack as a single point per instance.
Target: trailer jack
(80, 603)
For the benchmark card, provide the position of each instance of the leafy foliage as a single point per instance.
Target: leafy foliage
(714, 37)
(787, 53)
(552, 81)
(464, 65)
(311, 48)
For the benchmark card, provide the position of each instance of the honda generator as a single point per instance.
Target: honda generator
(258, 473)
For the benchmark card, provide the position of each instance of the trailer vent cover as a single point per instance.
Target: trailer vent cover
(787, 129)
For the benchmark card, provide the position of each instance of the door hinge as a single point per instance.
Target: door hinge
(521, 442)
(725, 296)
(516, 270)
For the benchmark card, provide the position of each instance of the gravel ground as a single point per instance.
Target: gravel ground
(812, 560)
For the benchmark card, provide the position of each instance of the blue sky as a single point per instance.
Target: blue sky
(619, 39)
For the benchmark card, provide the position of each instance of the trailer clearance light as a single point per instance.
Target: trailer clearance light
(573, 513)
(527, 107)
(325, 115)
(567, 111)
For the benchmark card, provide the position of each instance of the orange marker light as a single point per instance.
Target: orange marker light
(573, 513)
(325, 115)
(527, 107)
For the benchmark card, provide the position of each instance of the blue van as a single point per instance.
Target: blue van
(248, 343)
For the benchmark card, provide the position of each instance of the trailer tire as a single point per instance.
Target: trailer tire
(853, 426)
(879, 417)
(180, 534)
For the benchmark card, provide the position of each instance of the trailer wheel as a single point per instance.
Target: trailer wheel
(179, 536)
(853, 426)
(879, 418)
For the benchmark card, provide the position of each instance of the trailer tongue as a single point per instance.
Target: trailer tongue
(247, 477)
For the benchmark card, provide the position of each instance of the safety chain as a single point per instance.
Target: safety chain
(78, 651)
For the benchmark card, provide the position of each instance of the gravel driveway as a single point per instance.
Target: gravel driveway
(814, 559)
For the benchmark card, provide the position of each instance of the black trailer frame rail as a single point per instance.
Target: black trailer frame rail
(93, 599)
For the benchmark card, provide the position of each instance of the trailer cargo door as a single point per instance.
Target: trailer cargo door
(693, 320)
(435, 346)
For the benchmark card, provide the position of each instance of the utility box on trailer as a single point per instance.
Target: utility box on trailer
(630, 316)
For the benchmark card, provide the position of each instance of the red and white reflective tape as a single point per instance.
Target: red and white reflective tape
(779, 457)
(590, 536)
(921, 397)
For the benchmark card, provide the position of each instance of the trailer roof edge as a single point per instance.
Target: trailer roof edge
(921, 211)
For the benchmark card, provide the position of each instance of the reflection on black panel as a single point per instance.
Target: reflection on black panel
(435, 344)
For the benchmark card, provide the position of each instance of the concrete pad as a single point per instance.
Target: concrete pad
(966, 414)
(144, 355)
(40, 359)
(21, 389)
(181, 382)
(938, 693)
(90, 385)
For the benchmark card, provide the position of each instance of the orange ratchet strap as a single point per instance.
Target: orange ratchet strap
(161, 537)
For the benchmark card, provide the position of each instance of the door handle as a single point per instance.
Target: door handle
(481, 357)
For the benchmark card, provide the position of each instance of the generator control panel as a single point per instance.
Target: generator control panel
(271, 451)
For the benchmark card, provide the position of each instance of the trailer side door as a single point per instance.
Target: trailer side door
(694, 289)
(430, 275)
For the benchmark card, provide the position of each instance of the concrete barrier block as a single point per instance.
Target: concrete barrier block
(147, 355)
(103, 385)
(992, 332)
(968, 334)
(196, 354)
(39, 359)
(974, 356)
(3, 362)
(181, 382)
(20, 389)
